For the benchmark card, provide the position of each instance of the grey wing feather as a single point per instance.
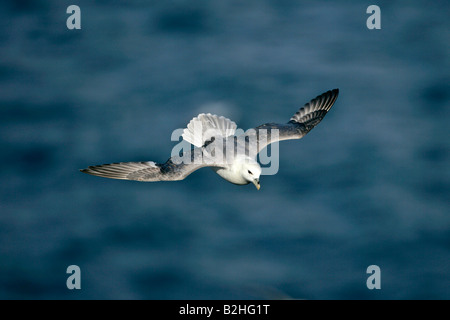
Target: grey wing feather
(313, 112)
(299, 125)
(176, 168)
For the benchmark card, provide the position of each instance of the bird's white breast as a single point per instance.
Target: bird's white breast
(231, 174)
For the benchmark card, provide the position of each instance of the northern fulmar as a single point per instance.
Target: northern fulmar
(215, 144)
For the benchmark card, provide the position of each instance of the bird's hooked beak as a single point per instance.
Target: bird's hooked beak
(256, 183)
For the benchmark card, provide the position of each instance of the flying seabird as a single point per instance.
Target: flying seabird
(213, 139)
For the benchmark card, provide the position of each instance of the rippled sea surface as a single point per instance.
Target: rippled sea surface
(369, 186)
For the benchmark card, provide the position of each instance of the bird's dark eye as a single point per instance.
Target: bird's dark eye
(249, 172)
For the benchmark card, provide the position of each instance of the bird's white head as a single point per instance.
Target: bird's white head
(250, 171)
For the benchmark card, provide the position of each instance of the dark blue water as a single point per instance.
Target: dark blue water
(369, 186)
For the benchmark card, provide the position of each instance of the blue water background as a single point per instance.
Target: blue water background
(369, 186)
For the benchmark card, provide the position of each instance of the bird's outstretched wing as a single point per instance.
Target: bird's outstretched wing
(299, 125)
(176, 168)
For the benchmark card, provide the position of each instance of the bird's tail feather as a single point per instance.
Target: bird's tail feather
(204, 127)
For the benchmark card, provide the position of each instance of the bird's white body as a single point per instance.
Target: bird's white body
(231, 174)
(240, 171)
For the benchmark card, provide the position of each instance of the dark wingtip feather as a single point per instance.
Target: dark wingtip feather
(308, 116)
